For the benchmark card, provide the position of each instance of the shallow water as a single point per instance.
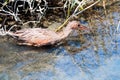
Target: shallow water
(95, 57)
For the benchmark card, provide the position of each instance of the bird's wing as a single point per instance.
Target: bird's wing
(37, 36)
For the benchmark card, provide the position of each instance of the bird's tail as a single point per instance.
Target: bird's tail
(11, 34)
(5, 33)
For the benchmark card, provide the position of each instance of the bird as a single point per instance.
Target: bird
(42, 36)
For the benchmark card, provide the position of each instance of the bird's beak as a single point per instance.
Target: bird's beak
(84, 28)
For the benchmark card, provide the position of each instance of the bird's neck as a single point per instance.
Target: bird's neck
(63, 34)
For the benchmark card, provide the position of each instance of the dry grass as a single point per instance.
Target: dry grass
(22, 11)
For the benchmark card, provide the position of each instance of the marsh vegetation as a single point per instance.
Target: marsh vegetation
(83, 54)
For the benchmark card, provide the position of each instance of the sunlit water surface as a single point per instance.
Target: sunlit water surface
(98, 58)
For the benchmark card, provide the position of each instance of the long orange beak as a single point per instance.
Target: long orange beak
(84, 28)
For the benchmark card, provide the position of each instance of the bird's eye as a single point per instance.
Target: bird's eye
(78, 25)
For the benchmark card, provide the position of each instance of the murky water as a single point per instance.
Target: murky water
(95, 57)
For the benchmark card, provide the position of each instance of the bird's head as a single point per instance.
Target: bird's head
(76, 25)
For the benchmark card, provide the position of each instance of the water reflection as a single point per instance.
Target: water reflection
(81, 57)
